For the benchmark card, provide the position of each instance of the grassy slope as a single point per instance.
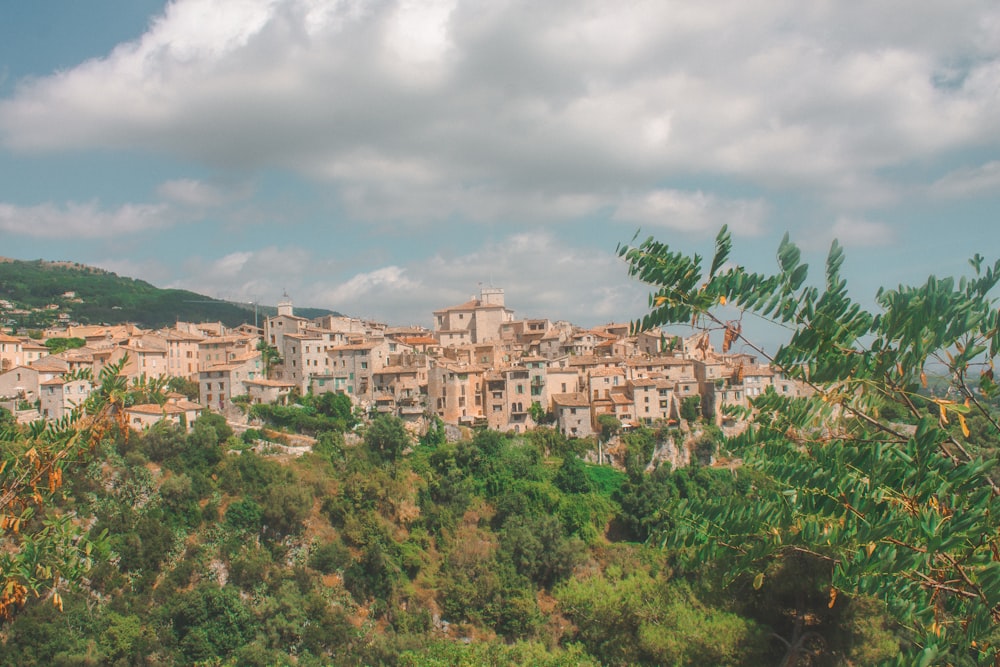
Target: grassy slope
(112, 299)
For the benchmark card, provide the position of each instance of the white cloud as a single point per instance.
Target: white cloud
(543, 275)
(86, 220)
(199, 194)
(490, 112)
(856, 232)
(363, 286)
(969, 182)
(693, 212)
(248, 275)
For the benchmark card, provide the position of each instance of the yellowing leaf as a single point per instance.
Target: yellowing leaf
(722, 300)
(965, 427)
(833, 597)
(659, 301)
(923, 378)
(758, 581)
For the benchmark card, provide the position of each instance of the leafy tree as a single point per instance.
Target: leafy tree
(269, 356)
(477, 654)
(336, 406)
(572, 476)
(386, 437)
(286, 507)
(540, 550)
(539, 415)
(209, 621)
(245, 514)
(435, 434)
(184, 386)
(639, 447)
(908, 515)
(639, 619)
(329, 557)
(691, 408)
(57, 345)
(7, 420)
(43, 548)
(608, 427)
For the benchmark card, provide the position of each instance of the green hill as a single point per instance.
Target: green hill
(105, 297)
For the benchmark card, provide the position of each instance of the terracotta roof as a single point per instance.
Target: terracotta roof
(456, 367)
(573, 400)
(659, 361)
(261, 382)
(154, 409)
(353, 347)
(606, 372)
(418, 340)
(49, 364)
(304, 336)
(174, 334)
(532, 358)
(398, 370)
(468, 305)
(221, 367)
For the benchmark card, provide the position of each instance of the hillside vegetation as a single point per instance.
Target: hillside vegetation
(388, 551)
(105, 297)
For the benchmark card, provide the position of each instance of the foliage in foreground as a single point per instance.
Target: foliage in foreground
(907, 514)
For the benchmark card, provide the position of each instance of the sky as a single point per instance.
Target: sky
(388, 158)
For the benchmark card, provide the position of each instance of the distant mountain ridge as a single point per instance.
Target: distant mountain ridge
(100, 296)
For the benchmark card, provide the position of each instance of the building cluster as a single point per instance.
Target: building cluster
(478, 366)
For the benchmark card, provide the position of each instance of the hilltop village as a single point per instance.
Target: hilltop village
(479, 366)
